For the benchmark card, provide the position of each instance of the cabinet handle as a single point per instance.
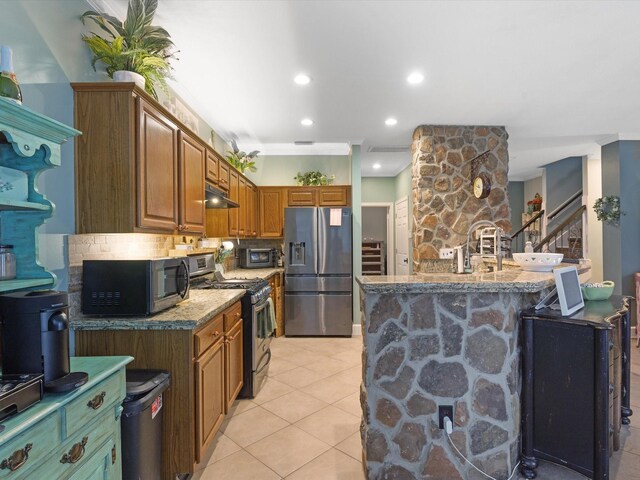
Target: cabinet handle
(237, 314)
(75, 453)
(97, 401)
(215, 334)
(17, 458)
(113, 455)
(230, 339)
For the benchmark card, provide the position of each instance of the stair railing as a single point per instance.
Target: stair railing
(529, 232)
(566, 238)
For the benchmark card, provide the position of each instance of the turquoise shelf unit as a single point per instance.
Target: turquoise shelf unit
(29, 144)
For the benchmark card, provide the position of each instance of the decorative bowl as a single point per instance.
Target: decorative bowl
(538, 262)
(598, 291)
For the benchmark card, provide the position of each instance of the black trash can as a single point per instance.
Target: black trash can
(141, 424)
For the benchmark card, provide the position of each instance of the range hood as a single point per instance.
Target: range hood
(215, 198)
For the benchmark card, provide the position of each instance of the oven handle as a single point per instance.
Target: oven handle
(261, 306)
(185, 277)
(268, 355)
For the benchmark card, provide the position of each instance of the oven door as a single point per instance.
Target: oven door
(261, 345)
(169, 283)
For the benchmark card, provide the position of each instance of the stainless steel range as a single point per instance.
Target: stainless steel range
(256, 345)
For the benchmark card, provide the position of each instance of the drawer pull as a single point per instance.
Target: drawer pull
(97, 401)
(75, 453)
(17, 458)
(231, 339)
(215, 334)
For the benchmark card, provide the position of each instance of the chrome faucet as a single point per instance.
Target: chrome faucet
(497, 247)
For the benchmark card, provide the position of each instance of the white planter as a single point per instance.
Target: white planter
(126, 76)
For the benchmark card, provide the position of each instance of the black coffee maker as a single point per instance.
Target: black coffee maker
(35, 338)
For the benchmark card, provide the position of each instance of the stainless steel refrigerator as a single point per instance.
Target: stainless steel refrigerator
(318, 271)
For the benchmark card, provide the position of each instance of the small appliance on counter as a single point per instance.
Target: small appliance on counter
(19, 392)
(35, 338)
(133, 287)
(257, 257)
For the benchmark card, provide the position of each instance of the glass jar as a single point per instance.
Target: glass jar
(7, 262)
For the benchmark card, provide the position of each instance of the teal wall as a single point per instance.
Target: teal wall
(356, 207)
(280, 169)
(563, 178)
(516, 202)
(378, 189)
(403, 185)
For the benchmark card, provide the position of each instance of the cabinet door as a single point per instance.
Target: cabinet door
(210, 396)
(234, 195)
(223, 175)
(242, 211)
(279, 308)
(254, 211)
(234, 363)
(212, 168)
(192, 159)
(334, 196)
(98, 467)
(270, 212)
(302, 197)
(157, 187)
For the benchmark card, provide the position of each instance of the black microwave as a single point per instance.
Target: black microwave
(133, 287)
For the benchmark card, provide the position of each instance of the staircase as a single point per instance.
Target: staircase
(567, 237)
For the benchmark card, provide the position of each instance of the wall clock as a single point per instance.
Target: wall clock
(481, 186)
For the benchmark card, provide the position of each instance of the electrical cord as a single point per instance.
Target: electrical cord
(448, 428)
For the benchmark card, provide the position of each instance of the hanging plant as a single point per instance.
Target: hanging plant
(314, 178)
(241, 161)
(608, 210)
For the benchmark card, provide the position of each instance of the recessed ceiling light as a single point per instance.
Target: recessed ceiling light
(376, 166)
(307, 122)
(302, 79)
(390, 122)
(415, 78)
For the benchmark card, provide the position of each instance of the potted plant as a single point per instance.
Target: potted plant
(313, 178)
(133, 50)
(240, 160)
(608, 210)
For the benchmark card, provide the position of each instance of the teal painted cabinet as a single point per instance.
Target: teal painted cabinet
(29, 144)
(70, 436)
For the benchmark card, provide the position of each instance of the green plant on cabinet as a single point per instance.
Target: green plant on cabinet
(29, 144)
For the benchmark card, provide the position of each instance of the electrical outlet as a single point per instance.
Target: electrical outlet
(444, 411)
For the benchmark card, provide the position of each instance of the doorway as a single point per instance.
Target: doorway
(402, 237)
(377, 239)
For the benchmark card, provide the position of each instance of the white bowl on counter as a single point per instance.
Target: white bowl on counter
(538, 262)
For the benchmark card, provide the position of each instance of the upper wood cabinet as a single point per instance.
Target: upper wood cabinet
(253, 210)
(157, 171)
(234, 195)
(302, 197)
(212, 167)
(338, 196)
(128, 165)
(271, 211)
(242, 210)
(192, 161)
(223, 175)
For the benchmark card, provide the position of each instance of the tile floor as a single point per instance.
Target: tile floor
(304, 424)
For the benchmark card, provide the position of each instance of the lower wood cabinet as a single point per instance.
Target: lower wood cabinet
(66, 437)
(206, 375)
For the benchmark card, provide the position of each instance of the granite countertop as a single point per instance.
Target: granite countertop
(508, 280)
(198, 309)
(243, 273)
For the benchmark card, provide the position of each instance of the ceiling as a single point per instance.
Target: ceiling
(562, 77)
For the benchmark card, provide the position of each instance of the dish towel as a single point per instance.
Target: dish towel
(268, 323)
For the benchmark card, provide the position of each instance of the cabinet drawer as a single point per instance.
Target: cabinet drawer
(75, 453)
(36, 443)
(232, 316)
(93, 403)
(208, 335)
(99, 465)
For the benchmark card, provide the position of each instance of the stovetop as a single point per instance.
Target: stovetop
(257, 288)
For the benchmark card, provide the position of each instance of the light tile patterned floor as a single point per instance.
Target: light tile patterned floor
(304, 424)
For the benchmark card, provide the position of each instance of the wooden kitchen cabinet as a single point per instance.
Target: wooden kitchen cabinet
(212, 168)
(242, 210)
(202, 362)
(224, 170)
(192, 161)
(302, 197)
(234, 195)
(210, 395)
(128, 164)
(334, 196)
(271, 211)
(253, 210)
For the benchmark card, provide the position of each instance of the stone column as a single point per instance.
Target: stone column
(443, 203)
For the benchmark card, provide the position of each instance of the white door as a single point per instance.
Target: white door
(402, 236)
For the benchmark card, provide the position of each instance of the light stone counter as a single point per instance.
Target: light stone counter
(198, 309)
(444, 339)
(264, 273)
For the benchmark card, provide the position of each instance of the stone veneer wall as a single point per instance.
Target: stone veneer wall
(425, 350)
(443, 203)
